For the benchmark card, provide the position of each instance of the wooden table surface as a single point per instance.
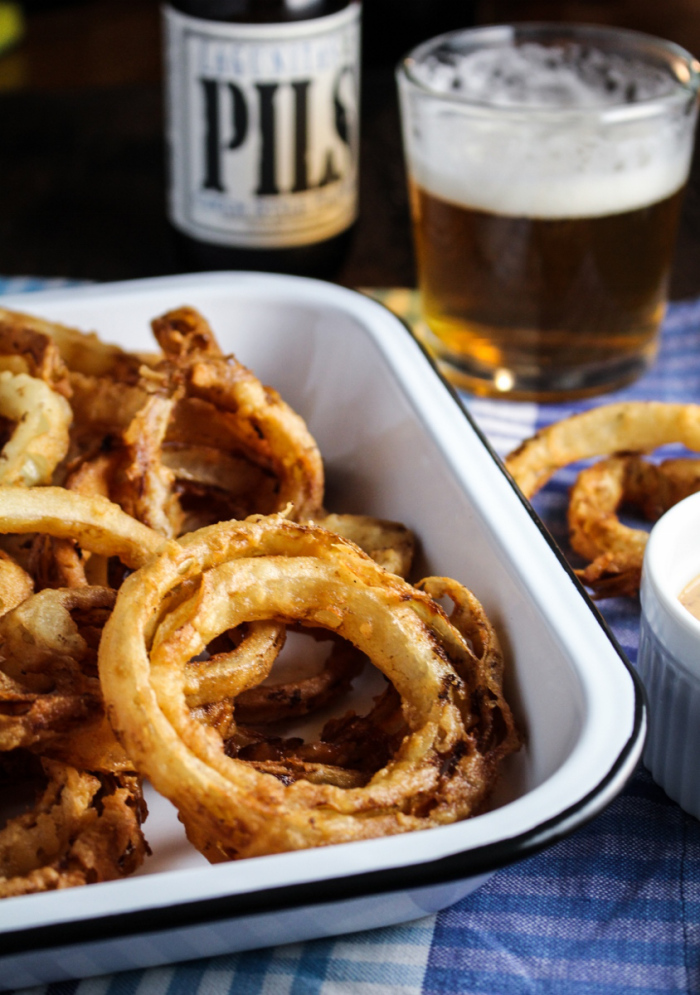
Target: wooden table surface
(82, 173)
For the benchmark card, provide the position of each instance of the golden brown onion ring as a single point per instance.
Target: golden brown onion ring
(273, 568)
(259, 455)
(48, 679)
(85, 352)
(624, 427)
(263, 423)
(27, 346)
(84, 828)
(616, 551)
(41, 435)
(227, 674)
(618, 430)
(95, 522)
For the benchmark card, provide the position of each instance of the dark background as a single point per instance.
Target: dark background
(81, 148)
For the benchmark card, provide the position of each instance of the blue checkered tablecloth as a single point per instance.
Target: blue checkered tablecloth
(612, 910)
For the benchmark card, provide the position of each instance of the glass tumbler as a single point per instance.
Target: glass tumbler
(546, 166)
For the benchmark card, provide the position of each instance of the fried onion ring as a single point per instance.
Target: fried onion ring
(27, 346)
(620, 431)
(624, 427)
(99, 525)
(48, 677)
(616, 551)
(228, 674)
(271, 568)
(41, 436)
(83, 829)
(266, 428)
(195, 439)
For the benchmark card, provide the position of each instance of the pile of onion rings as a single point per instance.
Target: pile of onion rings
(625, 433)
(458, 726)
(163, 535)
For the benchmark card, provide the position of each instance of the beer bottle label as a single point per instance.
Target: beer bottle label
(262, 127)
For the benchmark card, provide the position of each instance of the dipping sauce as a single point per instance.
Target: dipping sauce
(690, 597)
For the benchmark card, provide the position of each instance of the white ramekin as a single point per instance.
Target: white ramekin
(669, 654)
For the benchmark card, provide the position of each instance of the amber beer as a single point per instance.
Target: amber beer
(516, 304)
(546, 168)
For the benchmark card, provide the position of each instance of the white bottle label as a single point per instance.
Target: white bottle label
(262, 126)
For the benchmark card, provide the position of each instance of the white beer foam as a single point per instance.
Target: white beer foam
(535, 75)
(549, 164)
(505, 188)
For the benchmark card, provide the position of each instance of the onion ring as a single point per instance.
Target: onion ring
(27, 346)
(266, 427)
(48, 678)
(259, 456)
(294, 573)
(68, 839)
(41, 436)
(618, 430)
(616, 551)
(625, 427)
(98, 524)
(84, 352)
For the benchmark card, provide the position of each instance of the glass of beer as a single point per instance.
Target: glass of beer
(546, 167)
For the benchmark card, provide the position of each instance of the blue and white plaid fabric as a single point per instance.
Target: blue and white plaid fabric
(611, 910)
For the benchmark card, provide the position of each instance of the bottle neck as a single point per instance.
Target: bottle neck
(258, 11)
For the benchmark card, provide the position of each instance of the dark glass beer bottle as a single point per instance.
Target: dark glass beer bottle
(262, 132)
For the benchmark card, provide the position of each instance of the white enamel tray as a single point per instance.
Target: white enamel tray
(397, 444)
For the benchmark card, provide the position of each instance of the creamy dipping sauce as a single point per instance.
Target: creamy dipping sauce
(690, 597)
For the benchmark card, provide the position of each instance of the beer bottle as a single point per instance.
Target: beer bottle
(262, 132)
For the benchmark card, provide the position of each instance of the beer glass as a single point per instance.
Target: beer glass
(546, 167)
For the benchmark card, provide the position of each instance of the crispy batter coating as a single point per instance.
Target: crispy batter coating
(83, 828)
